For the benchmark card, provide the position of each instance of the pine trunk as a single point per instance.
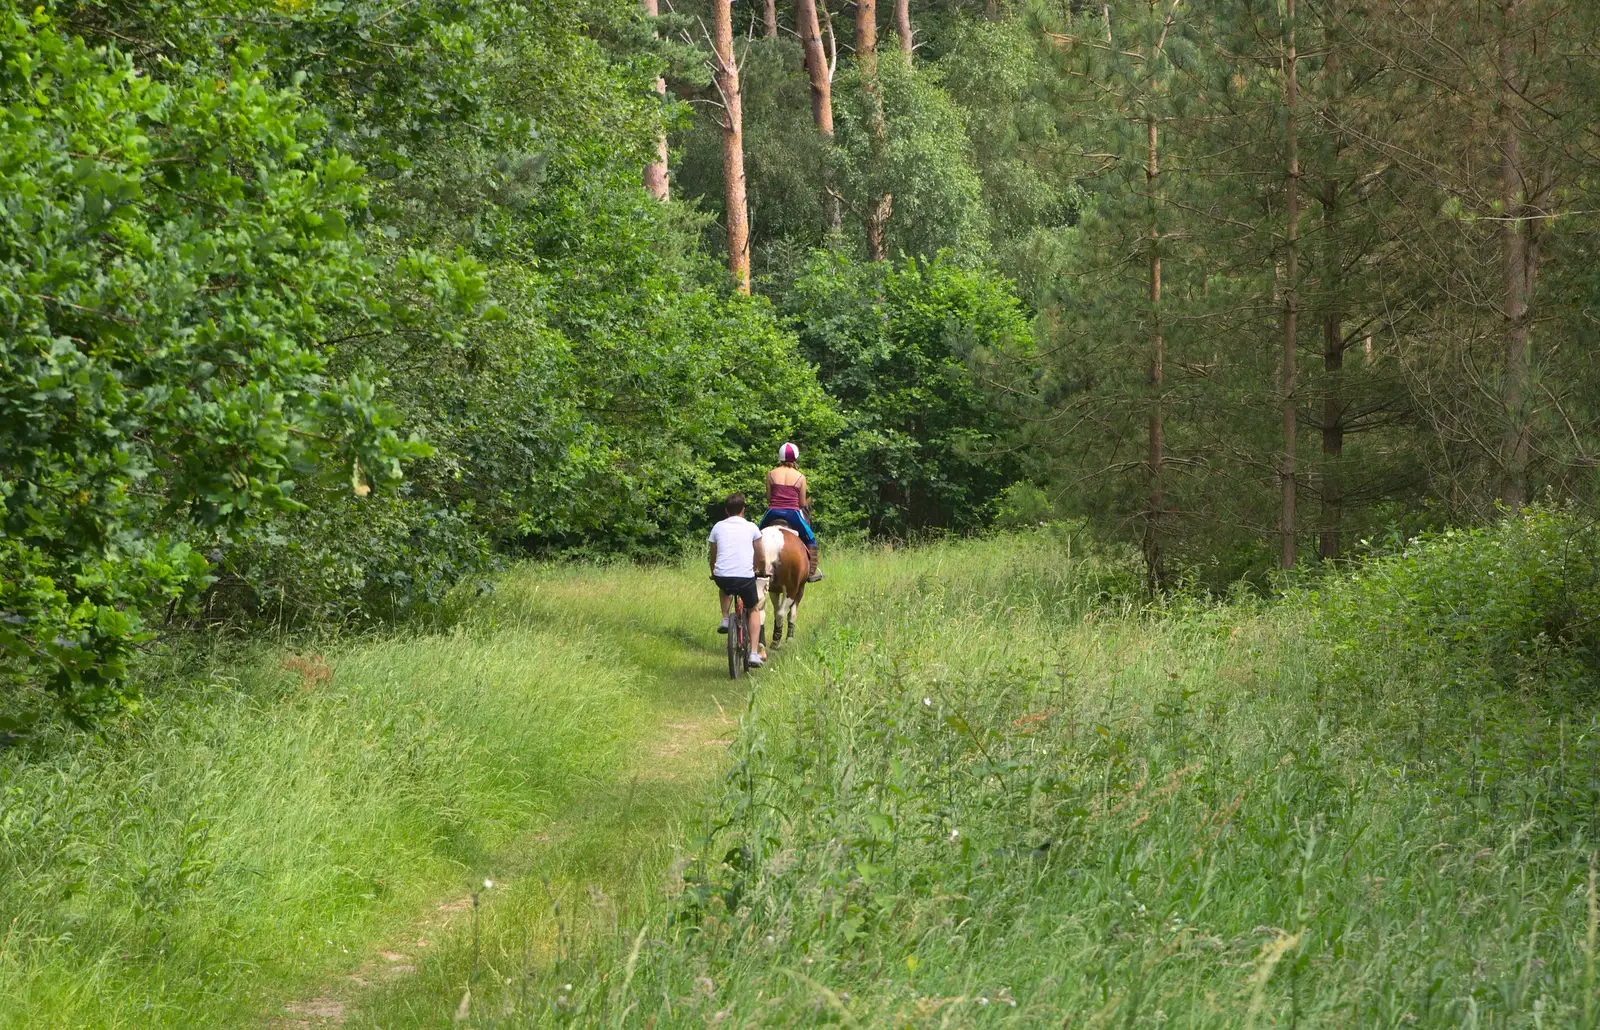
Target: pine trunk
(876, 216)
(1329, 539)
(1518, 274)
(867, 37)
(1291, 294)
(1154, 564)
(726, 76)
(1328, 543)
(769, 16)
(805, 19)
(810, 32)
(655, 172)
(902, 26)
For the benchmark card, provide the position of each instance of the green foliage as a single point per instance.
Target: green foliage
(1024, 159)
(173, 255)
(582, 374)
(1513, 605)
(920, 155)
(901, 346)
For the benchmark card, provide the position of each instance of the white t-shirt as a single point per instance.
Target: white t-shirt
(735, 538)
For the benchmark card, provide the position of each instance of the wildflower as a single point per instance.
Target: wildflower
(928, 701)
(488, 885)
(983, 1001)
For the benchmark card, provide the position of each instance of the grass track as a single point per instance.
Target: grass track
(980, 793)
(268, 828)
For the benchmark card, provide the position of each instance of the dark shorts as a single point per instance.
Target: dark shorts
(742, 587)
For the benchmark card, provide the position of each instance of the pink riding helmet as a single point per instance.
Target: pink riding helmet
(788, 452)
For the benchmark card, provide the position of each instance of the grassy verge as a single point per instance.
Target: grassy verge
(984, 797)
(259, 830)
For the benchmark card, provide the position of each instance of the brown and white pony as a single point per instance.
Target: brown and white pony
(789, 564)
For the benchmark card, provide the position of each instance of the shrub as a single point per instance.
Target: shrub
(171, 256)
(1510, 604)
(896, 343)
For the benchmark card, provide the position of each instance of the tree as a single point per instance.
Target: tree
(902, 26)
(1291, 284)
(725, 74)
(655, 171)
(819, 71)
(175, 262)
(903, 346)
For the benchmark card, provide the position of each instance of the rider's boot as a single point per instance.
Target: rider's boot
(816, 573)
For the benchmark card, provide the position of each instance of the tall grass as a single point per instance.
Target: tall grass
(988, 795)
(259, 827)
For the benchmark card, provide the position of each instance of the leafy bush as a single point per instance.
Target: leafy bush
(1516, 603)
(897, 344)
(172, 255)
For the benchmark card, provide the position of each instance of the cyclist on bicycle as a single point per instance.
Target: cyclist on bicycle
(736, 560)
(787, 503)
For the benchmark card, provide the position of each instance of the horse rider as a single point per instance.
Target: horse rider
(787, 503)
(736, 560)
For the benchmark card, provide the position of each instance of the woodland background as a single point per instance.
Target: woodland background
(313, 310)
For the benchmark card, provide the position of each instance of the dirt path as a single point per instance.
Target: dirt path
(690, 716)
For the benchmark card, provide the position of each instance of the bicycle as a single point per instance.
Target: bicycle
(738, 639)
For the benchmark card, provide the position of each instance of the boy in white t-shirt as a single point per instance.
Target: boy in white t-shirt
(736, 560)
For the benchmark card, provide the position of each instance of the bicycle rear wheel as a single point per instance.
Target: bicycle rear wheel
(737, 628)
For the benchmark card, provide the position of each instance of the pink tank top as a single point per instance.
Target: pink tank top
(783, 495)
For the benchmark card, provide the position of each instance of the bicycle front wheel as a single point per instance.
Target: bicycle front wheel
(736, 642)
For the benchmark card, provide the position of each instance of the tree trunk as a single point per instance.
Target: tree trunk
(1154, 564)
(1328, 541)
(1291, 292)
(902, 26)
(818, 72)
(726, 76)
(1332, 367)
(876, 215)
(805, 18)
(769, 15)
(1518, 275)
(867, 36)
(877, 222)
(655, 172)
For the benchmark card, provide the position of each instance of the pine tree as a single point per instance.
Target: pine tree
(656, 178)
(725, 72)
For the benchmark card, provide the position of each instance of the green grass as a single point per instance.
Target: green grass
(981, 790)
(987, 795)
(260, 830)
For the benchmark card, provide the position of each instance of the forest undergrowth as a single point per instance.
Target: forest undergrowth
(993, 792)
